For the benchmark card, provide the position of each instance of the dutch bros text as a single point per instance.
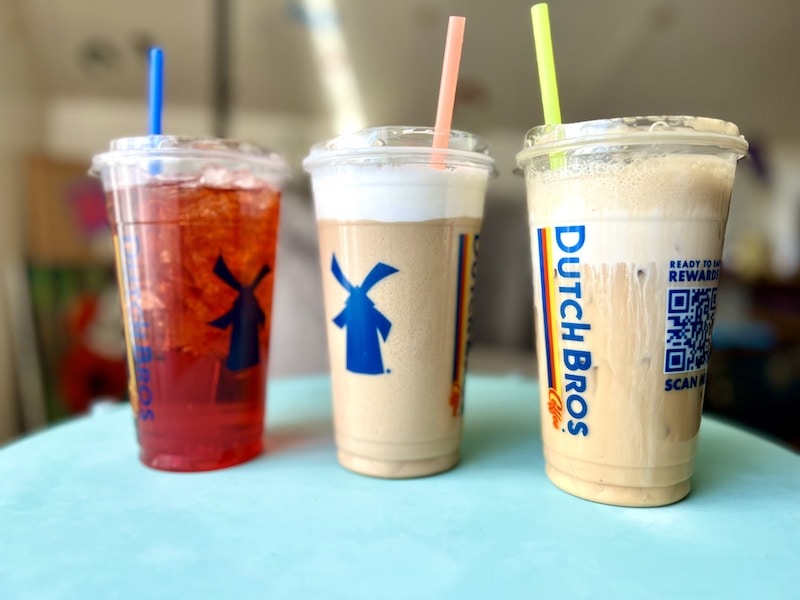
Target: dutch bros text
(141, 351)
(562, 311)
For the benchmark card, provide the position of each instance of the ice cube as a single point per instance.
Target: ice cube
(219, 178)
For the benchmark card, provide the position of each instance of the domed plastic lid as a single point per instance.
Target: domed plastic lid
(633, 131)
(399, 144)
(144, 148)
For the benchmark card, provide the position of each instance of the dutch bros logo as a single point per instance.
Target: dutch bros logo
(137, 331)
(562, 311)
(245, 317)
(366, 325)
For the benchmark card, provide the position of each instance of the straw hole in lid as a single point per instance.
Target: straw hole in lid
(659, 125)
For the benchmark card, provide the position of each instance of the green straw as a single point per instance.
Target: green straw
(543, 43)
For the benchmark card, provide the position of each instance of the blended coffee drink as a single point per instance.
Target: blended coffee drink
(398, 238)
(627, 221)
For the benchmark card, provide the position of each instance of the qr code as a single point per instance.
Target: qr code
(690, 316)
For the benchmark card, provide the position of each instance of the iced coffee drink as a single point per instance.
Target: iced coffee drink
(398, 239)
(627, 220)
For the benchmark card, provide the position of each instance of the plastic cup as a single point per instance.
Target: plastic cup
(194, 225)
(398, 240)
(627, 220)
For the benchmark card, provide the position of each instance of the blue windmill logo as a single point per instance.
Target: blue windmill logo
(366, 325)
(245, 317)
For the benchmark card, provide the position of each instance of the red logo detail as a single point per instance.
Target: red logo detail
(556, 407)
(455, 398)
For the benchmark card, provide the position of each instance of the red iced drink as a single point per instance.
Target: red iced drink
(195, 259)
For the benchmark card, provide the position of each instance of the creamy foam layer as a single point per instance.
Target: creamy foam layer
(398, 193)
(684, 187)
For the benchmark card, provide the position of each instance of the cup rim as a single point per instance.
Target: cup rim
(134, 149)
(633, 131)
(404, 144)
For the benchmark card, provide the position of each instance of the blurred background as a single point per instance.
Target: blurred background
(288, 73)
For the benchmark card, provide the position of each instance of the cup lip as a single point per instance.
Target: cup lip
(134, 149)
(633, 131)
(403, 144)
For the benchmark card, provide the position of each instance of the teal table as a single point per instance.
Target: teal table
(81, 518)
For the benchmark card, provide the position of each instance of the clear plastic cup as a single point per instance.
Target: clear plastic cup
(194, 225)
(627, 220)
(398, 235)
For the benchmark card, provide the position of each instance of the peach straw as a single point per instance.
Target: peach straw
(447, 88)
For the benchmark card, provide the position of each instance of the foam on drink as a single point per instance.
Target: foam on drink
(407, 193)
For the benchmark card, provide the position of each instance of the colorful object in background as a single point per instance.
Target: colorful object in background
(93, 364)
(79, 333)
(87, 205)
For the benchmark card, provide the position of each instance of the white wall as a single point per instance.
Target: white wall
(80, 126)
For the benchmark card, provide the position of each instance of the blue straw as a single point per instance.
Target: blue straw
(156, 89)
